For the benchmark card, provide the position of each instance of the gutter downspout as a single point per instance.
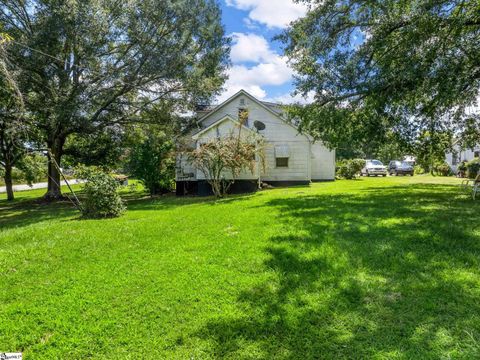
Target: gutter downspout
(258, 167)
(309, 170)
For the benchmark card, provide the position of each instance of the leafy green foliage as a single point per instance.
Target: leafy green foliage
(418, 170)
(473, 168)
(33, 168)
(152, 161)
(101, 194)
(380, 66)
(462, 168)
(30, 168)
(430, 148)
(442, 168)
(101, 63)
(104, 148)
(349, 169)
(13, 132)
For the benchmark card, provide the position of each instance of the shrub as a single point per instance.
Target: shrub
(152, 161)
(349, 169)
(462, 167)
(473, 167)
(442, 169)
(418, 170)
(33, 167)
(101, 196)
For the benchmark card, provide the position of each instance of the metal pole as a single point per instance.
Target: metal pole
(79, 204)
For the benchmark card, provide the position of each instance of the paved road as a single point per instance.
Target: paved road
(42, 185)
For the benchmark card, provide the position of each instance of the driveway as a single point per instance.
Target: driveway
(41, 185)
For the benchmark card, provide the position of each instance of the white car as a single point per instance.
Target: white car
(374, 167)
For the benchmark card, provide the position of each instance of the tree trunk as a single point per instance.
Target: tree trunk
(54, 191)
(8, 182)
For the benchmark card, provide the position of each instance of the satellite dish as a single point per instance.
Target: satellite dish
(259, 125)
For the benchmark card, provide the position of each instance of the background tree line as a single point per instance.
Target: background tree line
(388, 75)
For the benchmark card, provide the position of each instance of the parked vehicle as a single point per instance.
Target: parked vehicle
(374, 167)
(397, 167)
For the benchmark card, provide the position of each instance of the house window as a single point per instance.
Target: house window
(282, 154)
(242, 102)
(476, 154)
(243, 116)
(281, 162)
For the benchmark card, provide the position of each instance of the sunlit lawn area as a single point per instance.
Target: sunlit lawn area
(382, 268)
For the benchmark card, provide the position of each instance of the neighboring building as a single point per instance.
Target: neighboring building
(290, 157)
(459, 154)
(410, 159)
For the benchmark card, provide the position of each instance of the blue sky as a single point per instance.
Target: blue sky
(257, 62)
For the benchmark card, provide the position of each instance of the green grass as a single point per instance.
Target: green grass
(374, 268)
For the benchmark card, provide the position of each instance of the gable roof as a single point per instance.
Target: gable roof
(216, 123)
(241, 92)
(265, 105)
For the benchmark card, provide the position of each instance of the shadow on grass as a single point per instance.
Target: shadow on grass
(390, 272)
(26, 211)
(171, 202)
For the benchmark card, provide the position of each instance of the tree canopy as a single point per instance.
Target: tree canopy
(13, 131)
(98, 63)
(376, 65)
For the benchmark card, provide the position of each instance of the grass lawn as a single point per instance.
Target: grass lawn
(378, 268)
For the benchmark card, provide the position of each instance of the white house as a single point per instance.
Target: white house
(290, 157)
(459, 154)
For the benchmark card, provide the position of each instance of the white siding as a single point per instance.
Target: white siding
(323, 162)
(307, 161)
(462, 155)
(298, 162)
(230, 108)
(277, 132)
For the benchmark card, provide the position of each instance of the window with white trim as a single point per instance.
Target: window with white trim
(282, 156)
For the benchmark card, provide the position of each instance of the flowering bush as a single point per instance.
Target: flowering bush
(349, 169)
(222, 160)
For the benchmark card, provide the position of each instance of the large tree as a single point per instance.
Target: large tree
(374, 66)
(92, 64)
(13, 132)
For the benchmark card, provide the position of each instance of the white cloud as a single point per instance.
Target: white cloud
(289, 99)
(250, 47)
(269, 69)
(276, 72)
(251, 25)
(231, 89)
(273, 13)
